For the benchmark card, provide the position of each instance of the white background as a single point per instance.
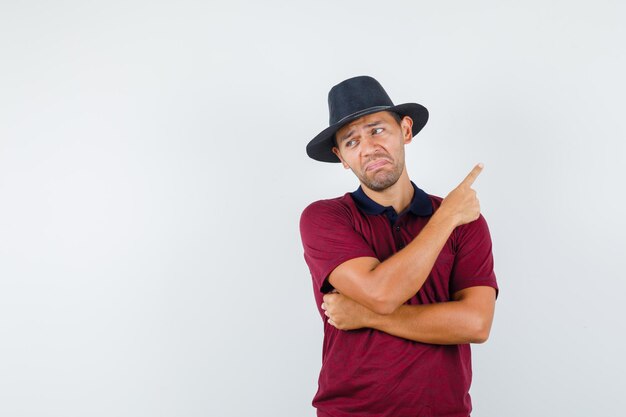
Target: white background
(153, 171)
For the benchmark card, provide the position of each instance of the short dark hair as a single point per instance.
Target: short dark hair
(395, 116)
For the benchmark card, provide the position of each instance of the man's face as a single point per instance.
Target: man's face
(373, 148)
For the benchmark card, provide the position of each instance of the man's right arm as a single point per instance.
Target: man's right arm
(384, 286)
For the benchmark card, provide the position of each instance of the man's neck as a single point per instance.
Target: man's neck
(398, 196)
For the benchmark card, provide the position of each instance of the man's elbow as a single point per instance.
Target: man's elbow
(383, 305)
(479, 338)
(384, 309)
(480, 330)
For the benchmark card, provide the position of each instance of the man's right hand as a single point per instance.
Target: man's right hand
(462, 204)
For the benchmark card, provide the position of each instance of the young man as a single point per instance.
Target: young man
(403, 280)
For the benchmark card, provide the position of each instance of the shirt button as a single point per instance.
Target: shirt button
(397, 228)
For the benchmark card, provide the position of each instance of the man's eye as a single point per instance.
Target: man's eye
(377, 130)
(350, 143)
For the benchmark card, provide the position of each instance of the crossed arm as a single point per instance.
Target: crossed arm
(371, 293)
(466, 319)
(384, 286)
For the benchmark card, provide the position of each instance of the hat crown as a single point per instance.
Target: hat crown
(354, 95)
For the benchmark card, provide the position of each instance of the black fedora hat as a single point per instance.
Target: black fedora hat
(354, 98)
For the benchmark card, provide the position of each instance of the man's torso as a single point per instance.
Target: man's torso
(368, 372)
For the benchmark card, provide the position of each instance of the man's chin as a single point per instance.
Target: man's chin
(379, 184)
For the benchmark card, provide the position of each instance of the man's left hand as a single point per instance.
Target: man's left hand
(345, 313)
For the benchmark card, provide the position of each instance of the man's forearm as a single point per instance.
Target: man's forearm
(453, 322)
(443, 323)
(403, 274)
(467, 319)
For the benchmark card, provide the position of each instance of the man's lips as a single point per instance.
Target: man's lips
(376, 164)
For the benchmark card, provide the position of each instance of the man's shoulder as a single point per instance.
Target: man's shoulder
(337, 204)
(325, 213)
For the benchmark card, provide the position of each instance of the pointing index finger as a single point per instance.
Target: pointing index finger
(471, 177)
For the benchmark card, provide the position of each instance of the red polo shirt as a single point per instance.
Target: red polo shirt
(366, 372)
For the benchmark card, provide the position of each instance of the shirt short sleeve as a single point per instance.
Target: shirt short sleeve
(473, 263)
(329, 239)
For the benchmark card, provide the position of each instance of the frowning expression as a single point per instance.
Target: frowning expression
(373, 148)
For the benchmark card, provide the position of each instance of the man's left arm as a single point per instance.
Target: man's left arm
(465, 319)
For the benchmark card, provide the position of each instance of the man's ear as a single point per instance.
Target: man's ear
(406, 125)
(336, 152)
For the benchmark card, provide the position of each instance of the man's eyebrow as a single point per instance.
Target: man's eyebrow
(350, 132)
(347, 135)
(376, 123)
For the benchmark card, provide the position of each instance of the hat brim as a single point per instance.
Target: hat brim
(320, 147)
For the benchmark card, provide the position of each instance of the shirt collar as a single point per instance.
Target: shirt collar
(420, 204)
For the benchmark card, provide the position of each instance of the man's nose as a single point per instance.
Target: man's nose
(369, 146)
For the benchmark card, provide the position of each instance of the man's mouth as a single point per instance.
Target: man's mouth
(376, 164)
